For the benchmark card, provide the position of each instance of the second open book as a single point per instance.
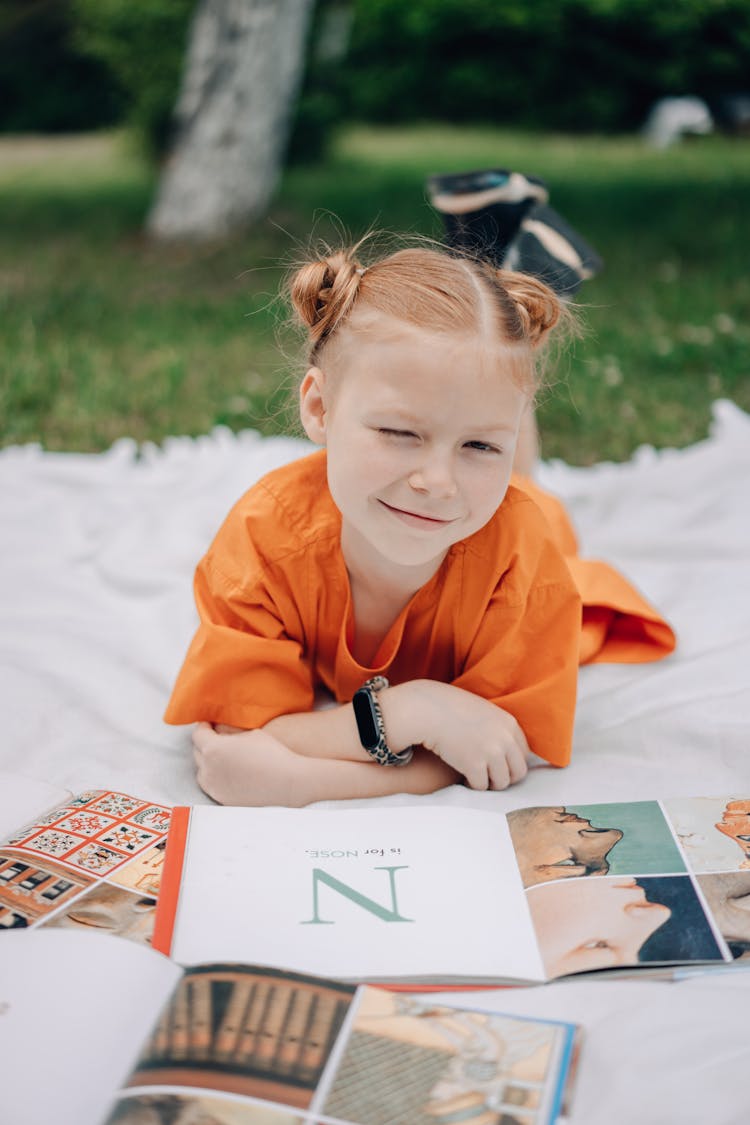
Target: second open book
(449, 895)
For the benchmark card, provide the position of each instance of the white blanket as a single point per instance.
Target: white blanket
(96, 569)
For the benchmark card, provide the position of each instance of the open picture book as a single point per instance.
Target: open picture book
(431, 895)
(149, 1043)
(88, 860)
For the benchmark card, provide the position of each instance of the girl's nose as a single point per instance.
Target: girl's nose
(433, 477)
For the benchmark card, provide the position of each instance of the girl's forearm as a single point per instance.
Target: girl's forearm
(332, 732)
(327, 734)
(328, 780)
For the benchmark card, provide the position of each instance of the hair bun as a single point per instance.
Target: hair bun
(538, 306)
(324, 291)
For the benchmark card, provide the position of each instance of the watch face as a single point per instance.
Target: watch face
(364, 713)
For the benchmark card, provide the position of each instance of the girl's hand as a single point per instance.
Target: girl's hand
(475, 737)
(248, 767)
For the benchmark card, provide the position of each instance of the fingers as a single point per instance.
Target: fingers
(515, 757)
(495, 774)
(508, 766)
(499, 769)
(499, 774)
(477, 776)
(517, 761)
(207, 758)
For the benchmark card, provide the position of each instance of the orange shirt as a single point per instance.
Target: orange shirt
(501, 617)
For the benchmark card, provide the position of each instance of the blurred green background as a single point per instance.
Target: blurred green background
(107, 334)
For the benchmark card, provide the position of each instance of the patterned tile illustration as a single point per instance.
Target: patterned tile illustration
(43, 820)
(85, 823)
(155, 817)
(95, 831)
(117, 804)
(94, 857)
(128, 838)
(53, 842)
(86, 798)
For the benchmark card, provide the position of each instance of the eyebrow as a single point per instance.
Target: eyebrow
(414, 420)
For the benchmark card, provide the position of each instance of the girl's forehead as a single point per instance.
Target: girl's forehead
(440, 389)
(384, 345)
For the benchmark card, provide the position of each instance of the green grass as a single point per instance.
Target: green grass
(105, 334)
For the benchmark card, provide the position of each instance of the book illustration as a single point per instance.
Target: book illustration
(728, 896)
(93, 861)
(112, 909)
(714, 832)
(658, 911)
(406, 1060)
(143, 873)
(735, 823)
(612, 839)
(616, 922)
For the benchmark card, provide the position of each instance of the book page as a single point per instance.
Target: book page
(415, 1060)
(92, 862)
(636, 883)
(386, 894)
(74, 1011)
(21, 798)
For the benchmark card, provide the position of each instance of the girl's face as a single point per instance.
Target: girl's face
(592, 923)
(420, 431)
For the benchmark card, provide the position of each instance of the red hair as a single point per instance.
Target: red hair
(430, 289)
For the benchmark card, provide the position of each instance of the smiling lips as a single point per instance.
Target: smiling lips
(414, 519)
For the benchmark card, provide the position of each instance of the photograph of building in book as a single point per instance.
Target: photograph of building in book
(406, 1060)
(246, 1030)
(666, 887)
(30, 888)
(93, 862)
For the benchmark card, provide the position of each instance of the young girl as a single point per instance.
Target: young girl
(398, 569)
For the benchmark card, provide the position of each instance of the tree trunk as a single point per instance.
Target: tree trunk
(242, 73)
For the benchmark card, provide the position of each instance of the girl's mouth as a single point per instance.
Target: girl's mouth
(416, 519)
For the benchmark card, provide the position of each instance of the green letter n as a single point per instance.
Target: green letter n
(383, 912)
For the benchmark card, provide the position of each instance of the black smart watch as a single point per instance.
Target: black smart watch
(370, 725)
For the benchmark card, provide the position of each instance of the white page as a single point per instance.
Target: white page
(452, 903)
(23, 798)
(75, 1010)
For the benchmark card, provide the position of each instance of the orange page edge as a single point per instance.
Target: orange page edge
(169, 891)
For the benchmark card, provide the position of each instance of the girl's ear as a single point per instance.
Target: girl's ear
(312, 407)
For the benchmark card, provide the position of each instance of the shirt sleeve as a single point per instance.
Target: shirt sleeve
(524, 655)
(246, 663)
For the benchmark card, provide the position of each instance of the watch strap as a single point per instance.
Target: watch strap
(371, 727)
